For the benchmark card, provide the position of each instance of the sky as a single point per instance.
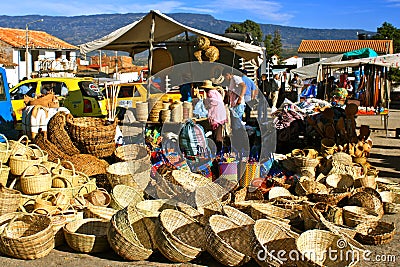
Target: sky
(320, 14)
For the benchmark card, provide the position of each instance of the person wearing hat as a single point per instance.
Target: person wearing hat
(237, 90)
(214, 103)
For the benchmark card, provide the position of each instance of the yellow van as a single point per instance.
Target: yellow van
(82, 97)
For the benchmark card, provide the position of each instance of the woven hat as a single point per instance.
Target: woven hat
(207, 84)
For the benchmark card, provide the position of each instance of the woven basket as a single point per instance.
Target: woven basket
(306, 187)
(92, 135)
(366, 181)
(179, 237)
(128, 235)
(271, 235)
(342, 157)
(267, 210)
(314, 244)
(203, 42)
(4, 172)
(135, 174)
(54, 153)
(391, 202)
(104, 213)
(37, 152)
(98, 197)
(35, 179)
(247, 193)
(354, 215)
(189, 210)
(368, 201)
(123, 195)
(19, 146)
(330, 199)
(5, 150)
(342, 182)
(89, 164)
(227, 241)
(87, 235)
(278, 191)
(237, 216)
(27, 236)
(303, 161)
(20, 162)
(86, 186)
(47, 202)
(58, 135)
(63, 177)
(132, 152)
(377, 233)
(10, 200)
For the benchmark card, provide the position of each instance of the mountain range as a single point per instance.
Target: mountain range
(81, 29)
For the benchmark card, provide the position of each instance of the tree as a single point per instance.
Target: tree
(389, 32)
(245, 27)
(277, 44)
(268, 45)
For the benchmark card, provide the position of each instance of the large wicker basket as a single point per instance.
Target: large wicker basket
(5, 150)
(27, 236)
(92, 135)
(132, 152)
(135, 174)
(87, 235)
(227, 241)
(128, 235)
(179, 237)
(123, 195)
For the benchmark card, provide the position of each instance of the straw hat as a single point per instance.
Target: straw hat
(207, 84)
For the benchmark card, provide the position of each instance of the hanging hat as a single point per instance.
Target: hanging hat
(207, 84)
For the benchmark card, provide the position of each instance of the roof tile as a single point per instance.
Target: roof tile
(37, 39)
(342, 46)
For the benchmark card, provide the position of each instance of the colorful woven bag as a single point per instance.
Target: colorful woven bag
(228, 170)
(252, 171)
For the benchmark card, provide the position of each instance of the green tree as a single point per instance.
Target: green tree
(246, 26)
(389, 32)
(268, 45)
(277, 44)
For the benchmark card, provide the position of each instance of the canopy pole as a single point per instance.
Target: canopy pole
(150, 60)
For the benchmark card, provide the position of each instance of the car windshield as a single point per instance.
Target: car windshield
(89, 88)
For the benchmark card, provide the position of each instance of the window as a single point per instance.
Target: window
(58, 54)
(126, 91)
(2, 89)
(35, 55)
(22, 55)
(51, 86)
(68, 55)
(16, 93)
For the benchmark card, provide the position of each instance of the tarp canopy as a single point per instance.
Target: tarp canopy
(360, 53)
(134, 38)
(391, 60)
(311, 71)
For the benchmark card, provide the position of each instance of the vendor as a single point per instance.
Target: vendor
(214, 103)
(310, 91)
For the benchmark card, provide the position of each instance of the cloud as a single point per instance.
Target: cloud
(393, 3)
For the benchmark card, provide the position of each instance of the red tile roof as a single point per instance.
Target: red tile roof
(37, 39)
(343, 46)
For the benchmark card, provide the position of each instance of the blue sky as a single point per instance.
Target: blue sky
(322, 14)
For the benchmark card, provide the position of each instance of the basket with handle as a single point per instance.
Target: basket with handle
(47, 202)
(19, 146)
(35, 179)
(4, 172)
(225, 240)
(179, 237)
(104, 213)
(63, 177)
(128, 235)
(5, 150)
(271, 235)
(27, 236)
(87, 235)
(20, 162)
(42, 155)
(86, 185)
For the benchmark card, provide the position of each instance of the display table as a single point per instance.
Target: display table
(384, 116)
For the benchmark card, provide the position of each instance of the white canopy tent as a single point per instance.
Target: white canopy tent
(136, 37)
(390, 61)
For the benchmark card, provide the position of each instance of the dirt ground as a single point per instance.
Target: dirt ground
(385, 155)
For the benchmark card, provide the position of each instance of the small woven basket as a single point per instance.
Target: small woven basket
(132, 152)
(377, 233)
(63, 177)
(128, 236)
(20, 162)
(27, 237)
(123, 195)
(227, 241)
(179, 237)
(239, 217)
(306, 187)
(10, 199)
(104, 213)
(391, 202)
(98, 197)
(4, 172)
(35, 179)
(354, 215)
(87, 235)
